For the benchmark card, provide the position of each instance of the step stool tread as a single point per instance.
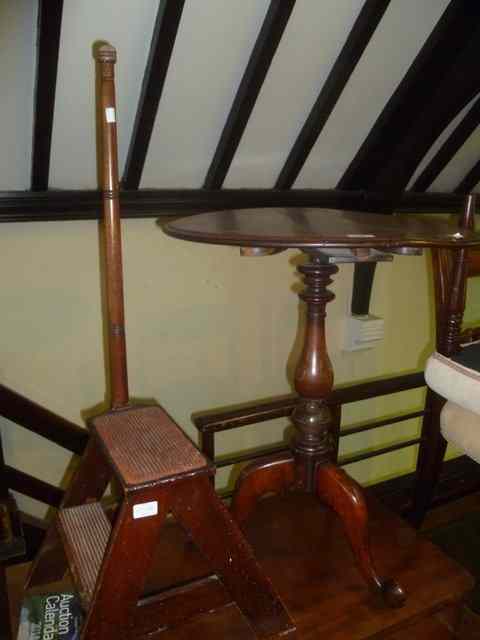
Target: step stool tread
(145, 445)
(85, 531)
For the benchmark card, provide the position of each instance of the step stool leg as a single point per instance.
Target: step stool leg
(124, 569)
(5, 622)
(197, 507)
(89, 483)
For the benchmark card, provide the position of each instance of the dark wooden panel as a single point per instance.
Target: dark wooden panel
(163, 40)
(470, 181)
(33, 487)
(449, 148)
(265, 47)
(48, 42)
(358, 39)
(41, 421)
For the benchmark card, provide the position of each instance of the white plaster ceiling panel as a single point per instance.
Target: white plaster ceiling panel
(440, 141)
(397, 40)
(310, 45)
(126, 25)
(461, 163)
(17, 69)
(212, 49)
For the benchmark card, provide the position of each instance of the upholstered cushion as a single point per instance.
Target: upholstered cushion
(461, 428)
(457, 378)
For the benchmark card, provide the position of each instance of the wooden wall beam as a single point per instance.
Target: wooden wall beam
(163, 40)
(48, 43)
(27, 206)
(356, 43)
(265, 47)
(449, 148)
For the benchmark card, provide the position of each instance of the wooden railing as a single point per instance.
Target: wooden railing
(212, 422)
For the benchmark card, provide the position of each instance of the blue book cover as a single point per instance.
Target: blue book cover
(52, 616)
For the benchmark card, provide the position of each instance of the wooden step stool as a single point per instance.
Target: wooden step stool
(160, 472)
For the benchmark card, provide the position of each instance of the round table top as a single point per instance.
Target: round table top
(318, 228)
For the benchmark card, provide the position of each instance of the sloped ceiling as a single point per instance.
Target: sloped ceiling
(213, 45)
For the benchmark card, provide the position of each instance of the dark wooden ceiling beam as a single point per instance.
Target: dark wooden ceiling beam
(441, 81)
(356, 43)
(449, 148)
(252, 81)
(470, 181)
(27, 206)
(163, 40)
(48, 43)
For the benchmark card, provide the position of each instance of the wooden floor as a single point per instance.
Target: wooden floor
(302, 547)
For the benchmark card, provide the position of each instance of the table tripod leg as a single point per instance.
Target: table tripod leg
(345, 497)
(274, 474)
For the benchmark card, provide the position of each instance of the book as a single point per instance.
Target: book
(50, 616)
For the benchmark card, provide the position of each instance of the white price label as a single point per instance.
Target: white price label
(110, 114)
(145, 510)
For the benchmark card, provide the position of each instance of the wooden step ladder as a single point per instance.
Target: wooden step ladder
(159, 472)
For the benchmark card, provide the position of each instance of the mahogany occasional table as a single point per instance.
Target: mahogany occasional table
(327, 237)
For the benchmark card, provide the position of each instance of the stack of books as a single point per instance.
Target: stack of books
(51, 616)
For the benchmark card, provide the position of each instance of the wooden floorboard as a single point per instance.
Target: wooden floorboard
(302, 547)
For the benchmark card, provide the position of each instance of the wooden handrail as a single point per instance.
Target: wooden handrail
(41, 421)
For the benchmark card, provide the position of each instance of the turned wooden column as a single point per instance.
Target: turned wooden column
(313, 443)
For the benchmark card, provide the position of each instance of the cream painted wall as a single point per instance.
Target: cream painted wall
(205, 328)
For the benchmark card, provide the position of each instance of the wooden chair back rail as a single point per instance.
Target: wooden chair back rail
(451, 271)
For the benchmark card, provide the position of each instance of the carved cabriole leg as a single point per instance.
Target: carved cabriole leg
(89, 483)
(345, 496)
(275, 474)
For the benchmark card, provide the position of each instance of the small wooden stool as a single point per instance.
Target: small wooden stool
(159, 471)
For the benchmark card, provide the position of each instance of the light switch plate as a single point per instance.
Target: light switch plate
(362, 332)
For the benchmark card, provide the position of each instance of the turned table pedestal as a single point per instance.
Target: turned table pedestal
(327, 238)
